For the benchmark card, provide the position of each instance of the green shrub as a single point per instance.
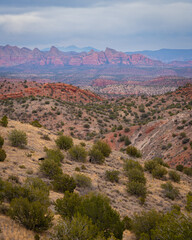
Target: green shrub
(54, 154)
(150, 165)
(36, 123)
(127, 141)
(98, 209)
(78, 153)
(33, 215)
(17, 138)
(187, 171)
(130, 164)
(136, 175)
(96, 156)
(180, 168)
(174, 225)
(137, 188)
(145, 222)
(103, 147)
(82, 181)
(63, 183)
(173, 175)
(1, 141)
(50, 168)
(68, 205)
(64, 142)
(112, 176)
(4, 121)
(133, 152)
(3, 155)
(159, 172)
(79, 227)
(189, 202)
(160, 161)
(170, 191)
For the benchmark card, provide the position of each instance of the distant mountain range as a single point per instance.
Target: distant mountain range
(167, 55)
(73, 48)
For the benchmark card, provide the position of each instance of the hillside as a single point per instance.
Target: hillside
(23, 163)
(61, 91)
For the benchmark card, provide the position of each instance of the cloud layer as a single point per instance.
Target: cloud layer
(126, 25)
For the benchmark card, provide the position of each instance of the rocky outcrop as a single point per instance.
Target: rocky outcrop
(13, 56)
(60, 91)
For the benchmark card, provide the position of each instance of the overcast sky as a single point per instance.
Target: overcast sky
(125, 25)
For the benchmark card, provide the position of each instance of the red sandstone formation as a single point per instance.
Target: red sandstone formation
(60, 91)
(13, 56)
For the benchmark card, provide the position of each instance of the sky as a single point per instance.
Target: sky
(125, 25)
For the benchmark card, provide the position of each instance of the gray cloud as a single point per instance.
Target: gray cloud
(128, 25)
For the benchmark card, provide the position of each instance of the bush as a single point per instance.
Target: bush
(189, 202)
(50, 168)
(33, 215)
(137, 188)
(17, 138)
(103, 147)
(150, 165)
(64, 142)
(130, 164)
(145, 222)
(170, 191)
(79, 227)
(3, 155)
(54, 154)
(78, 153)
(187, 171)
(159, 172)
(36, 123)
(98, 209)
(127, 141)
(96, 156)
(173, 175)
(180, 168)
(68, 205)
(82, 181)
(136, 175)
(160, 161)
(63, 183)
(112, 176)
(4, 121)
(133, 151)
(1, 141)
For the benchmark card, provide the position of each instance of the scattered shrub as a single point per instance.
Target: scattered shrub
(68, 205)
(79, 227)
(1, 141)
(103, 147)
(150, 165)
(130, 164)
(33, 215)
(18, 138)
(96, 156)
(46, 137)
(159, 172)
(82, 181)
(188, 171)
(173, 175)
(137, 188)
(189, 202)
(136, 175)
(179, 167)
(112, 176)
(4, 121)
(133, 151)
(63, 183)
(170, 191)
(50, 168)
(3, 155)
(54, 154)
(64, 142)
(36, 123)
(78, 153)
